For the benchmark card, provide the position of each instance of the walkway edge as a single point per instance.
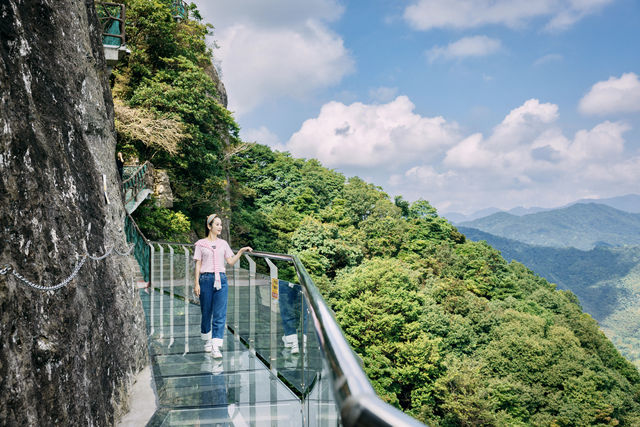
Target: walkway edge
(142, 400)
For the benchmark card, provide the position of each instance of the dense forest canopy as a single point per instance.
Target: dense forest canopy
(604, 279)
(447, 329)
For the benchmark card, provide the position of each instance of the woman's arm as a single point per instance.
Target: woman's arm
(232, 260)
(196, 286)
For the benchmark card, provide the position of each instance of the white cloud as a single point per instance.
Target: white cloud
(293, 51)
(461, 14)
(383, 94)
(372, 135)
(469, 154)
(523, 122)
(616, 95)
(426, 174)
(603, 142)
(575, 11)
(262, 135)
(465, 47)
(552, 57)
(284, 62)
(525, 160)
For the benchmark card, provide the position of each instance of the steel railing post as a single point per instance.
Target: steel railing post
(152, 279)
(186, 299)
(236, 299)
(252, 304)
(161, 290)
(273, 358)
(171, 293)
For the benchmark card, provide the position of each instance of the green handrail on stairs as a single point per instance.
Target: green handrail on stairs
(141, 252)
(112, 16)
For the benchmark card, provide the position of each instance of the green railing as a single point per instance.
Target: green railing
(112, 16)
(136, 179)
(179, 9)
(142, 251)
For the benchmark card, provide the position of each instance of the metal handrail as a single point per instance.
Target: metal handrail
(129, 182)
(135, 182)
(141, 251)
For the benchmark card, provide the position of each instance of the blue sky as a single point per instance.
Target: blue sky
(466, 103)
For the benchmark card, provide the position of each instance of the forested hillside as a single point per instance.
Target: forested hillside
(582, 226)
(447, 329)
(605, 279)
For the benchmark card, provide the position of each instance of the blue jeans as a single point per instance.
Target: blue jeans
(291, 303)
(213, 305)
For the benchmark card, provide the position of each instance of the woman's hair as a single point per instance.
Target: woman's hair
(209, 221)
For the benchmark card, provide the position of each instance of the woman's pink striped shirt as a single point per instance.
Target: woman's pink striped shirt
(204, 251)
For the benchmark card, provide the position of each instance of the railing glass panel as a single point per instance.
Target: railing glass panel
(279, 325)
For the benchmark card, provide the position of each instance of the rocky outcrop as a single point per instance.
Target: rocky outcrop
(162, 188)
(222, 92)
(66, 356)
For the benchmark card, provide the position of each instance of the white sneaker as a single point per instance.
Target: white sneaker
(216, 353)
(294, 345)
(295, 349)
(288, 340)
(208, 346)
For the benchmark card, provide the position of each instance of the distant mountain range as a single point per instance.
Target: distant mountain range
(628, 203)
(581, 225)
(605, 279)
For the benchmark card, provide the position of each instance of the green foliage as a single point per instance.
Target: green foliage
(422, 209)
(166, 75)
(326, 244)
(161, 223)
(365, 200)
(602, 279)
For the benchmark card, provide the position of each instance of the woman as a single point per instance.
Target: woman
(211, 283)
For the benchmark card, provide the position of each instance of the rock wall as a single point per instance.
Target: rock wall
(162, 188)
(222, 91)
(67, 357)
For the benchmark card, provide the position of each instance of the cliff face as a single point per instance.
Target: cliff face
(66, 356)
(222, 91)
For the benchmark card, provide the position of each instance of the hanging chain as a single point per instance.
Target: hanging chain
(128, 251)
(99, 258)
(8, 269)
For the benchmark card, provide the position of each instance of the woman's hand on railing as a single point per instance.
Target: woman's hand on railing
(232, 260)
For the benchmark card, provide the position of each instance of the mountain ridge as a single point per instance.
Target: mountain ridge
(582, 226)
(627, 203)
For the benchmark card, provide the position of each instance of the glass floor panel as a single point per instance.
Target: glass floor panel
(223, 388)
(195, 363)
(285, 414)
(193, 388)
(191, 344)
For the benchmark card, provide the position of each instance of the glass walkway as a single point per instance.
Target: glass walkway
(262, 379)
